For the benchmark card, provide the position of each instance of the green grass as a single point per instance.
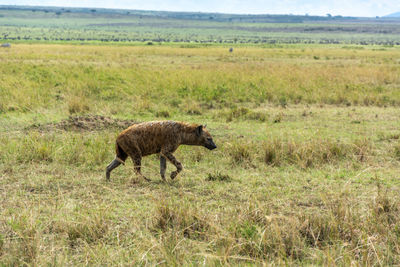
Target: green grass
(305, 173)
(155, 79)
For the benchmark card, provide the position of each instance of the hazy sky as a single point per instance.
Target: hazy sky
(366, 8)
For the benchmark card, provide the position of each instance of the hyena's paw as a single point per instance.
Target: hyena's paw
(174, 174)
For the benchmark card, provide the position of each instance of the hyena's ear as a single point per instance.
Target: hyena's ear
(199, 130)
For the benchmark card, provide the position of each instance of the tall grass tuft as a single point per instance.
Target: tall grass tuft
(84, 227)
(396, 151)
(182, 221)
(241, 153)
(77, 105)
(91, 149)
(343, 226)
(21, 242)
(314, 152)
(90, 230)
(218, 176)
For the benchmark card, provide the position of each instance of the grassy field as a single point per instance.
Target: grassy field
(306, 170)
(51, 24)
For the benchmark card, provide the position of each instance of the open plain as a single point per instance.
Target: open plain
(306, 170)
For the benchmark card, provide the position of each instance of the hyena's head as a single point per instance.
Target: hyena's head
(204, 138)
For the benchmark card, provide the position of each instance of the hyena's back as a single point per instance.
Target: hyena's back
(150, 137)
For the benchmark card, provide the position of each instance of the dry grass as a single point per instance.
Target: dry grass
(316, 152)
(218, 176)
(77, 105)
(182, 221)
(360, 228)
(240, 153)
(305, 173)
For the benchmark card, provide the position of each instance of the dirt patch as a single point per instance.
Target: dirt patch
(84, 123)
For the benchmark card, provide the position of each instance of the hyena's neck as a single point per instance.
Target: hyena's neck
(188, 135)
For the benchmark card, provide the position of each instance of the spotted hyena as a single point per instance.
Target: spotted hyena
(162, 137)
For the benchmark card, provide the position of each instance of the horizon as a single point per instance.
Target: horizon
(310, 7)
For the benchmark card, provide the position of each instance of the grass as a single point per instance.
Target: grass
(87, 26)
(315, 152)
(305, 173)
(82, 77)
(217, 176)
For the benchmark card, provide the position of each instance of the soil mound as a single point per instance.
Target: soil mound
(85, 123)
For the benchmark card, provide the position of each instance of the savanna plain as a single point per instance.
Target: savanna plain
(306, 171)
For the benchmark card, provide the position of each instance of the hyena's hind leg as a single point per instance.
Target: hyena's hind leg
(163, 166)
(137, 162)
(114, 164)
(119, 159)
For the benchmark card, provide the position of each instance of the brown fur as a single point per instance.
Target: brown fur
(162, 137)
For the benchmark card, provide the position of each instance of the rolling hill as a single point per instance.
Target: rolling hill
(394, 15)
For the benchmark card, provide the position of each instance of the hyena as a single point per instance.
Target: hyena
(162, 137)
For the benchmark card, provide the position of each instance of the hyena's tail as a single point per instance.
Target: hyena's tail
(121, 154)
(119, 159)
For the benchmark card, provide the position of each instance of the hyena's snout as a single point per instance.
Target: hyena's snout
(210, 144)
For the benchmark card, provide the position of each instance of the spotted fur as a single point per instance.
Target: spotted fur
(158, 137)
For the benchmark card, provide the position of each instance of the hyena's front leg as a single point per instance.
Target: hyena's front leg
(163, 166)
(174, 161)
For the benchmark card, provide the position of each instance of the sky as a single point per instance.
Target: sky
(362, 8)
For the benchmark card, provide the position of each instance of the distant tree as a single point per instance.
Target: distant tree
(329, 15)
(93, 10)
(58, 13)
